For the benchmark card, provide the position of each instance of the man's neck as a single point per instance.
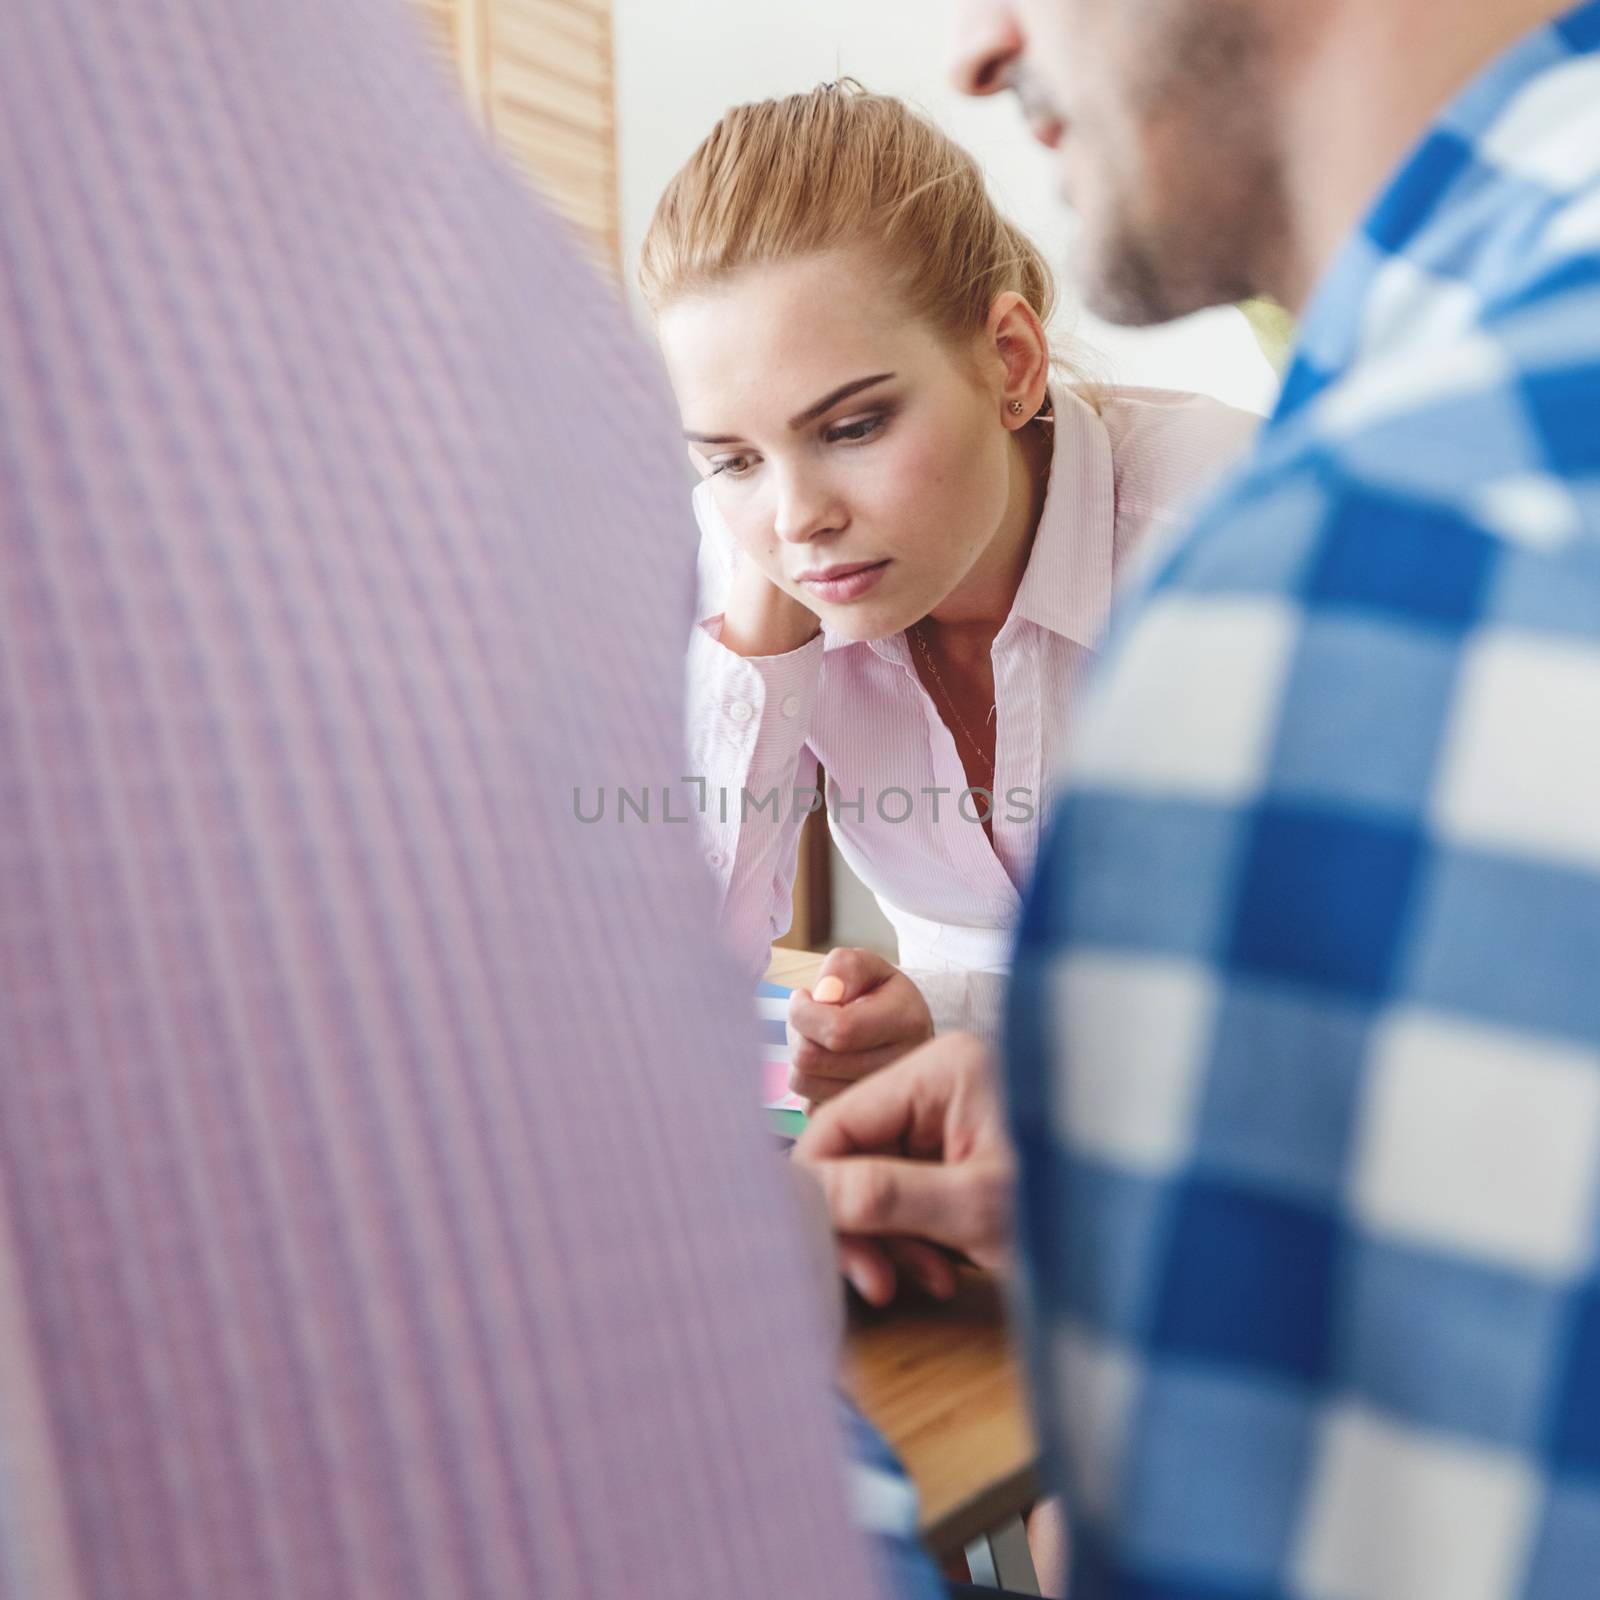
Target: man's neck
(1359, 95)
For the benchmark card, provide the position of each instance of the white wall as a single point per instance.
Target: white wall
(681, 63)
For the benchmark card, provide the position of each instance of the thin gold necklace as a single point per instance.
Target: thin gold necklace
(915, 630)
(1046, 418)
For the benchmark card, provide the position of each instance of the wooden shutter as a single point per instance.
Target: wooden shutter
(538, 76)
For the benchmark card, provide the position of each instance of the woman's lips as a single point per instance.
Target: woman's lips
(841, 584)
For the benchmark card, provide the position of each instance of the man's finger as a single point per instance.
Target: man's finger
(877, 1195)
(906, 1098)
(868, 1270)
(933, 1270)
(876, 1269)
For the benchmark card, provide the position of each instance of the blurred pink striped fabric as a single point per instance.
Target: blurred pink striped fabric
(346, 1249)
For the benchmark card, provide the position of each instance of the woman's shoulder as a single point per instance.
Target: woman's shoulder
(1147, 423)
(1169, 447)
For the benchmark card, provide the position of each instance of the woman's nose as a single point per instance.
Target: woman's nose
(804, 509)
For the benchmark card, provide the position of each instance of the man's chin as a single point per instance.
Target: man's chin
(1128, 284)
(1120, 282)
(1112, 302)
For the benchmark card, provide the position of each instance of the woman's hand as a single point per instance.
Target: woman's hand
(917, 1169)
(760, 619)
(861, 1014)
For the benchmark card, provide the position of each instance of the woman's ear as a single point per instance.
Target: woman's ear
(1017, 337)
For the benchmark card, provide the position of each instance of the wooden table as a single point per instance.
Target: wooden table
(794, 968)
(943, 1386)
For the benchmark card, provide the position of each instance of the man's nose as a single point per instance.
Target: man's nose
(986, 42)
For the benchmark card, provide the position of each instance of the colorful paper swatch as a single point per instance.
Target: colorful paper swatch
(772, 1008)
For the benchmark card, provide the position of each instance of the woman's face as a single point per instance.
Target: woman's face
(858, 459)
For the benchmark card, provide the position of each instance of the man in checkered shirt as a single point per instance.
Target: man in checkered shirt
(1304, 1049)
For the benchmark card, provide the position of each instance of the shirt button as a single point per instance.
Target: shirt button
(741, 711)
(716, 859)
(791, 704)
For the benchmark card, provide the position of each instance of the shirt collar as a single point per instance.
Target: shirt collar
(1066, 587)
(1433, 241)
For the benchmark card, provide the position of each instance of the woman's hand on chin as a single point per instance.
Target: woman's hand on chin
(861, 1014)
(760, 619)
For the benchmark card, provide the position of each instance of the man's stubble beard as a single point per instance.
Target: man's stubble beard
(1144, 277)
(1204, 223)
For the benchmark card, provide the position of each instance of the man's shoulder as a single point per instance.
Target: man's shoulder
(1492, 419)
(1348, 614)
(1476, 463)
(1332, 669)
(1413, 552)
(1365, 621)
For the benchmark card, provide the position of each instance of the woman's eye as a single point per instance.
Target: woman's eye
(854, 432)
(733, 466)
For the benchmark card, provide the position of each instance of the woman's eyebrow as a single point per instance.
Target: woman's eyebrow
(810, 414)
(843, 392)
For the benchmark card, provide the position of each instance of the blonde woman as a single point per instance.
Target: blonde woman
(911, 529)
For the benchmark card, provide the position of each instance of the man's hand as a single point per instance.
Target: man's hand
(917, 1169)
(870, 1014)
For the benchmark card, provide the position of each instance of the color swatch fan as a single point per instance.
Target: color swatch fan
(787, 1110)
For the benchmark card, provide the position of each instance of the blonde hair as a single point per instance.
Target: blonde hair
(834, 168)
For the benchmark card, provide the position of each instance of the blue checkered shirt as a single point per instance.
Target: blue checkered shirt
(1304, 1043)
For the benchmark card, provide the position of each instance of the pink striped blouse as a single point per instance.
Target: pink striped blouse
(896, 787)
